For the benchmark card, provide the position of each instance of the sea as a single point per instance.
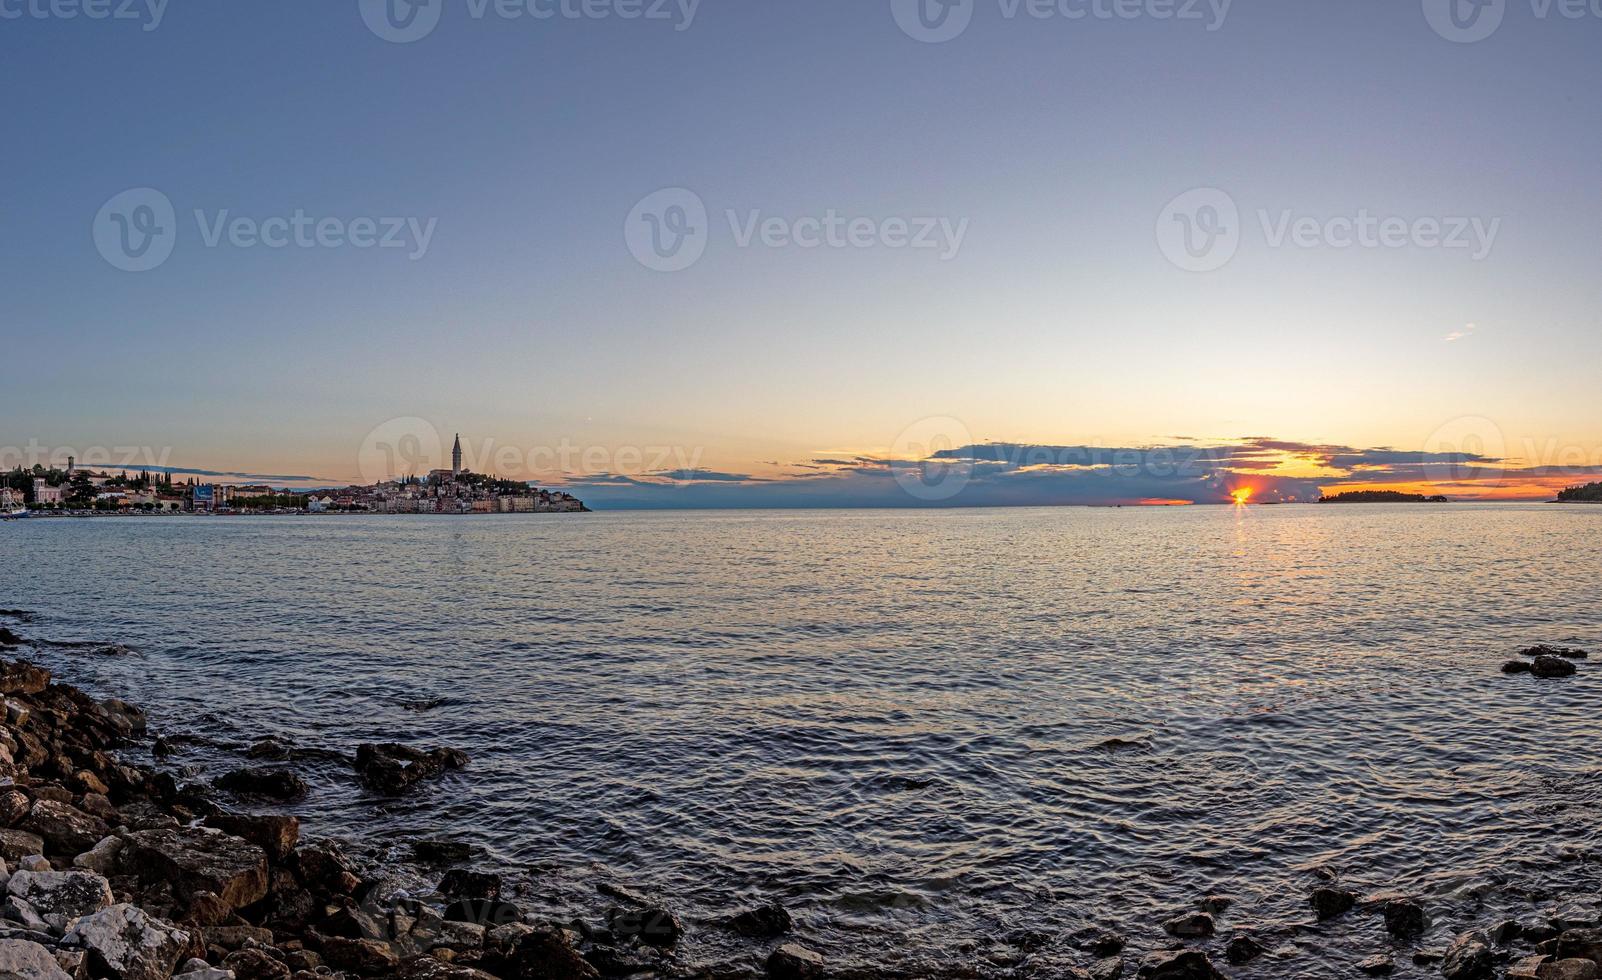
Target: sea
(950, 742)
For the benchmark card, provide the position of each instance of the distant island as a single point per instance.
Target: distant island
(1591, 493)
(1381, 497)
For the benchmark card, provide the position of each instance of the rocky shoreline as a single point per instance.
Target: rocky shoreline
(116, 868)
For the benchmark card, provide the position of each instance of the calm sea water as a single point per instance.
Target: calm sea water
(943, 739)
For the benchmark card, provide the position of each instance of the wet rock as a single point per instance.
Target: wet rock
(203, 972)
(1504, 932)
(1574, 917)
(19, 676)
(270, 748)
(1552, 667)
(65, 827)
(1094, 939)
(1580, 944)
(1191, 925)
(325, 870)
(1405, 918)
(391, 768)
(1546, 650)
(764, 922)
(429, 968)
(9, 639)
(60, 896)
(1516, 667)
(29, 961)
(1468, 958)
(1378, 966)
(1528, 968)
(255, 964)
(1571, 969)
(463, 883)
(277, 835)
(200, 859)
(549, 954)
(653, 926)
(1111, 968)
(270, 784)
(368, 956)
(441, 851)
(1243, 949)
(126, 944)
(1174, 964)
(1216, 904)
(1536, 930)
(794, 962)
(487, 912)
(1328, 903)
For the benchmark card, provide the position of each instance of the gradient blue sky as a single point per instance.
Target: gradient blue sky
(1060, 322)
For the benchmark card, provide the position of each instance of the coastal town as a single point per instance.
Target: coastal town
(76, 491)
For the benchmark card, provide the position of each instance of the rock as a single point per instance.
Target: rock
(1190, 925)
(18, 844)
(1537, 930)
(487, 912)
(34, 862)
(462, 883)
(21, 912)
(1330, 902)
(441, 851)
(205, 972)
(200, 859)
(793, 962)
(764, 922)
(1243, 949)
(126, 944)
(21, 677)
(1516, 667)
(1468, 958)
(1405, 918)
(1504, 932)
(1573, 917)
(61, 896)
(23, 960)
(8, 638)
(652, 926)
(1111, 968)
(1216, 904)
(271, 784)
(277, 835)
(1378, 966)
(391, 768)
(459, 936)
(325, 870)
(271, 747)
(429, 968)
(1528, 968)
(369, 956)
(1171, 964)
(1571, 969)
(1545, 650)
(549, 954)
(1583, 944)
(102, 858)
(255, 964)
(1552, 667)
(64, 827)
(14, 806)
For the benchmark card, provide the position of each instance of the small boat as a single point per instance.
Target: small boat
(13, 515)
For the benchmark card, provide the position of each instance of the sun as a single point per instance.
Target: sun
(1242, 496)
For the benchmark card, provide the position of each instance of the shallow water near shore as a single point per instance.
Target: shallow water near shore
(942, 739)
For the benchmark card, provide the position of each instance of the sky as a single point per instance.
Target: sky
(832, 253)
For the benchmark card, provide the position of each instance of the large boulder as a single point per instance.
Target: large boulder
(200, 859)
(65, 828)
(1469, 958)
(1405, 918)
(271, 784)
(60, 896)
(23, 960)
(17, 844)
(1552, 667)
(21, 677)
(1328, 903)
(126, 944)
(391, 768)
(547, 954)
(277, 835)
